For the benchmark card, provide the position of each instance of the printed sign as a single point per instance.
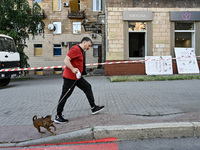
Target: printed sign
(138, 15)
(186, 60)
(158, 65)
(185, 16)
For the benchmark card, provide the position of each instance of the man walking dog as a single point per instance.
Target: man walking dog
(75, 67)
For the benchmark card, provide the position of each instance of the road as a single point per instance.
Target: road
(147, 144)
(161, 144)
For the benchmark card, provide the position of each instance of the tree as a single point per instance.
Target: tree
(18, 20)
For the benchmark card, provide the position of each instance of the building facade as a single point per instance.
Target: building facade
(139, 28)
(63, 29)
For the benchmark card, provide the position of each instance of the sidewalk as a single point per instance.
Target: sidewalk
(130, 107)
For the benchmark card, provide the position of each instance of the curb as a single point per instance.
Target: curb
(121, 132)
(149, 131)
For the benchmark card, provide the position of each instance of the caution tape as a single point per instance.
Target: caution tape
(94, 64)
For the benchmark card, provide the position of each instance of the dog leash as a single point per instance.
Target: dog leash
(63, 96)
(78, 76)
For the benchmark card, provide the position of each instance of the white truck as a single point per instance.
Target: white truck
(9, 59)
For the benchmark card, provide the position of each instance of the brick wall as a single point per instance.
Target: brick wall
(161, 28)
(154, 3)
(167, 3)
(115, 34)
(161, 33)
(47, 59)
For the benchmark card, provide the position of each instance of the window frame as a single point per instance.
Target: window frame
(60, 48)
(95, 50)
(95, 6)
(76, 25)
(185, 31)
(145, 39)
(59, 5)
(34, 45)
(58, 27)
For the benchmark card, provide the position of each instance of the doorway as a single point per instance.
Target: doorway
(136, 44)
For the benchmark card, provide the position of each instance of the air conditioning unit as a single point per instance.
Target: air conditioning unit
(51, 27)
(94, 35)
(65, 4)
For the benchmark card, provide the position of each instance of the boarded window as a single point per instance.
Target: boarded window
(38, 49)
(56, 5)
(74, 6)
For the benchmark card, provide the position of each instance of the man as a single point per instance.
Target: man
(74, 65)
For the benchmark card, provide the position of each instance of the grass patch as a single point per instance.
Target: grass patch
(152, 78)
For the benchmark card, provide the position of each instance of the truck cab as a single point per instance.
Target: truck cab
(9, 59)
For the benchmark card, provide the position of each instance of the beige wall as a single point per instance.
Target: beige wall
(161, 28)
(47, 59)
(115, 32)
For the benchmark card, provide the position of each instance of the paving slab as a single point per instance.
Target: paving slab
(127, 104)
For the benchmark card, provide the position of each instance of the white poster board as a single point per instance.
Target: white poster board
(158, 65)
(186, 60)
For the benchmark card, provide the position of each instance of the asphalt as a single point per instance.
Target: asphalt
(133, 110)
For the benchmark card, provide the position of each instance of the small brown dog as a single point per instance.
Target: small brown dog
(43, 122)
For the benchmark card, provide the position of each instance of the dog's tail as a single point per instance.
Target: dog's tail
(34, 118)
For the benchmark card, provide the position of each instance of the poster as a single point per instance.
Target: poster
(186, 60)
(158, 65)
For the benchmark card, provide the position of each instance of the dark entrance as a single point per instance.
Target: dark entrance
(136, 44)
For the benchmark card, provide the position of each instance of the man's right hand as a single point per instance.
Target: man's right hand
(75, 70)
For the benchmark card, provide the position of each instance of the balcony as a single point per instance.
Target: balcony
(76, 14)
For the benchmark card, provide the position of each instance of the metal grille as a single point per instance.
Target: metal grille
(5, 65)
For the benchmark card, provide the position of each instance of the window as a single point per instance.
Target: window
(79, 5)
(76, 27)
(56, 5)
(96, 5)
(57, 50)
(75, 6)
(71, 44)
(95, 50)
(7, 44)
(137, 36)
(184, 34)
(38, 1)
(38, 49)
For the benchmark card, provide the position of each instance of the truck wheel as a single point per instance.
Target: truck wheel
(4, 82)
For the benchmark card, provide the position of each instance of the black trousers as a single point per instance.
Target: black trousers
(82, 84)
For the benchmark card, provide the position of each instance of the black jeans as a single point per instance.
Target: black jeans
(82, 84)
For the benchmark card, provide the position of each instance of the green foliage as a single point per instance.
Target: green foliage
(18, 20)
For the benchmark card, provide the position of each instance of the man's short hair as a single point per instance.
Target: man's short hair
(87, 39)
